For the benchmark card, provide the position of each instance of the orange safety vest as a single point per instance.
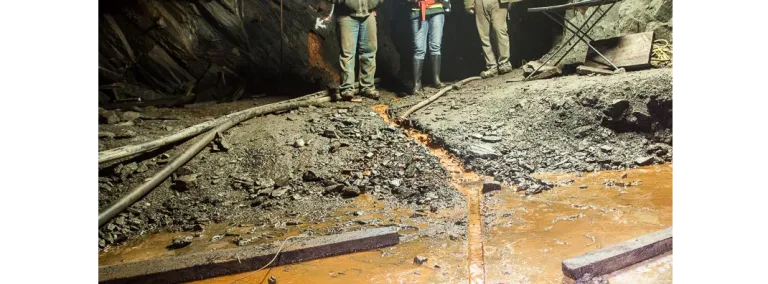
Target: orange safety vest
(423, 4)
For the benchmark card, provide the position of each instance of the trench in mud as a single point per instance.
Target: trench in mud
(468, 183)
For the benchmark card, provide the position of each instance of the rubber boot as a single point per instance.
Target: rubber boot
(436, 71)
(418, 65)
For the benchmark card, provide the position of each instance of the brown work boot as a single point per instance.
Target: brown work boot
(370, 93)
(505, 68)
(348, 95)
(489, 73)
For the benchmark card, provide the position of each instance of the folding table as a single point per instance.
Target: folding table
(582, 32)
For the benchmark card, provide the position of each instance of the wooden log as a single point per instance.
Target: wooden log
(192, 131)
(434, 97)
(237, 260)
(139, 192)
(613, 258)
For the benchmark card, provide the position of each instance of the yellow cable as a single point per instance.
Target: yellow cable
(661, 52)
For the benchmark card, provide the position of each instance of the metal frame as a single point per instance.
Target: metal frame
(578, 32)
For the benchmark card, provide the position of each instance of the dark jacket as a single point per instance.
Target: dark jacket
(356, 8)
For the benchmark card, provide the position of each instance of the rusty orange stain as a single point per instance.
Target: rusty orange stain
(316, 58)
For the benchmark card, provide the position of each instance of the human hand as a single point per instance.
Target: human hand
(471, 11)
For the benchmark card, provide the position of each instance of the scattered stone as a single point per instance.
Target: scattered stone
(491, 139)
(369, 155)
(606, 148)
(125, 134)
(644, 161)
(483, 151)
(131, 116)
(419, 260)
(181, 241)
(583, 186)
(395, 182)
(330, 133)
(108, 116)
(310, 175)
(350, 191)
(279, 192)
(185, 182)
(299, 143)
(477, 136)
(623, 176)
(272, 280)
(219, 144)
(489, 186)
(616, 109)
(106, 135)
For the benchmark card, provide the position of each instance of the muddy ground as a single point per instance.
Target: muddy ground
(279, 170)
(267, 178)
(568, 124)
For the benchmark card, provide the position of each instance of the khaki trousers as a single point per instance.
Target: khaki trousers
(491, 17)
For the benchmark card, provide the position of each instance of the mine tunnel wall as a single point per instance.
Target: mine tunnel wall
(627, 17)
(180, 52)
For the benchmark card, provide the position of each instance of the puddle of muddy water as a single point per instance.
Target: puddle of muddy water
(529, 237)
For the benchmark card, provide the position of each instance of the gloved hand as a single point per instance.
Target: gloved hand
(447, 6)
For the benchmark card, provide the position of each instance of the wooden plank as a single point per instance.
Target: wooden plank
(237, 260)
(631, 52)
(586, 70)
(613, 258)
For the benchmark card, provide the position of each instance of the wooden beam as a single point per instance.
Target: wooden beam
(613, 258)
(237, 260)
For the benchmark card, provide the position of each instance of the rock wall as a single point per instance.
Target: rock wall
(627, 17)
(213, 50)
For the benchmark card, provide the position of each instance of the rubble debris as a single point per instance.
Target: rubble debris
(181, 241)
(219, 144)
(644, 161)
(419, 260)
(489, 186)
(185, 182)
(131, 116)
(108, 116)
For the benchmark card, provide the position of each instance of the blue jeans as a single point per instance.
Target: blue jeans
(432, 28)
(357, 34)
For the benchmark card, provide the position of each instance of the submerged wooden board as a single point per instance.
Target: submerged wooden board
(231, 261)
(613, 258)
(629, 51)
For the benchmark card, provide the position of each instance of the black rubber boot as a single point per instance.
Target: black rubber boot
(418, 65)
(436, 71)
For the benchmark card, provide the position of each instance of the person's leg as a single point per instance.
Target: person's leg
(348, 33)
(499, 22)
(436, 23)
(483, 21)
(368, 44)
(420, 30)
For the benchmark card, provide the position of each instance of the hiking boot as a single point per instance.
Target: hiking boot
(492, 72)
(370, 93)
(505, 68)
(348, 94)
